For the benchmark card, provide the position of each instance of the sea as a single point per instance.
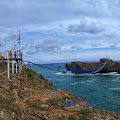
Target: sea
(101, 90)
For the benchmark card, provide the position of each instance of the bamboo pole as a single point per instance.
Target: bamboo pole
(8, 66)
(19, 66)
(12, 67)
(16, 66)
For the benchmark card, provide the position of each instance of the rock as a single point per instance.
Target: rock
(111, 66)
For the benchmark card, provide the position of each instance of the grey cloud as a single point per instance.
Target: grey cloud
(49, 45)
(113, 45)
(33, 51)
(76, 47)
(96, 45)
(44, 46)
(86, 27)
(110, 34)
(95, 8)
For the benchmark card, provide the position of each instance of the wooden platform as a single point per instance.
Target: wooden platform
(10, 59)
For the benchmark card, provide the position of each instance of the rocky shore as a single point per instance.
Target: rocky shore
(32, 97)
(111, 66)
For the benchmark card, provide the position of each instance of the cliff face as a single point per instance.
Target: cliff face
(31, 97)
(111, 66)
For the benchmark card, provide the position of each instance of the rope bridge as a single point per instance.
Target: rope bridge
(76, 71)
(44, 67)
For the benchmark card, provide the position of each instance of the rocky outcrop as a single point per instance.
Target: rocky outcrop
(31, 97)
(111, 66)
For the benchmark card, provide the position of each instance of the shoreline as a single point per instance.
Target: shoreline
(33, 97)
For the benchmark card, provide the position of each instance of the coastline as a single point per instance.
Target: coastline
(33, 97)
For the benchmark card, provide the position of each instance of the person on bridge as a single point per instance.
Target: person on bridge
(58, 67)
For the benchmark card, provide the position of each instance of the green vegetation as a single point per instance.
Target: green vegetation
(7, 102)
(72, 117)
(55, 101)
(34, 83)
(23, 92)
(83, 117)
(30, 73)
(66, 97)
(84, 111)
(37, 106)
(46, 86)
(40, 81)
(40, 108)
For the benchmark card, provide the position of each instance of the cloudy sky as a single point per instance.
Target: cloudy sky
(61, 30)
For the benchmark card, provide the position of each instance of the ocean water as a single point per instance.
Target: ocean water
(102, 91)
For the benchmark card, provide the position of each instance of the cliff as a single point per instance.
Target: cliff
(31, 97)
(111, 66)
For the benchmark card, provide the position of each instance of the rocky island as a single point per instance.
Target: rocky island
(111, 66)
(30, 96)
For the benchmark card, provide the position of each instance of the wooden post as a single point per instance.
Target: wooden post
(16, 66)
(15, 42)
(19, 67)
(12, 67)
(8, 66)
(19, 41)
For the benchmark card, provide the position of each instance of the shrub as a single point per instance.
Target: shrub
(39, 107)
(84, 111)
(83, 117)
(34, 83)
(40, 81)
(66, 97)
(72, 117)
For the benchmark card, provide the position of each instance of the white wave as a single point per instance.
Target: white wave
(72, 74)
(66, 73)
(77, 83)
(111, 73)
(116, 89)
(90, 80)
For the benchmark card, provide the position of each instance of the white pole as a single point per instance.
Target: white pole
(12, 67)
(16, 66)
(8, 66)
(19, 67)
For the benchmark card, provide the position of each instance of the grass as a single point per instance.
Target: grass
(40, 81)
(72, 117)
(84, 111)
(30, 73)
(55, 101)
(46, 86)
(83, 117)
(37, 106)
(34, 84)
(40, 108)
(66, 97)
(7, 102)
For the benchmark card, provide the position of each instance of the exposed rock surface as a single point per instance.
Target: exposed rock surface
(31, 97)
(111, 66)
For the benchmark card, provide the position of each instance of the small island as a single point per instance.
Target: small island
(110, 66)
